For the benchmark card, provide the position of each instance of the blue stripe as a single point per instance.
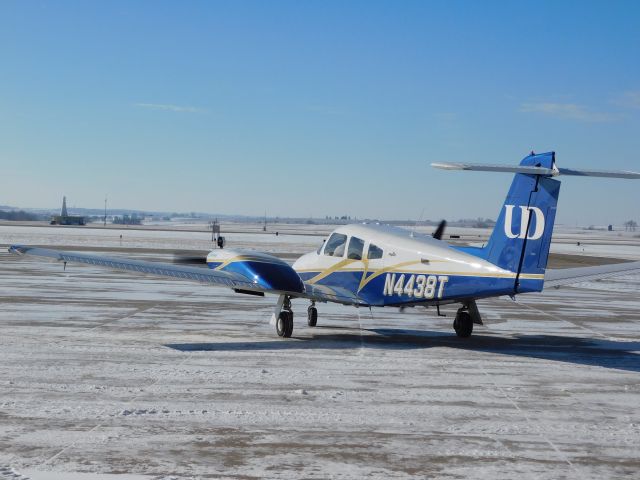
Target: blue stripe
(456, 287)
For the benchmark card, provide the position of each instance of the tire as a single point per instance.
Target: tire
(284, 324)
(289, 324)
(463, 325)
(281, 323)
(312, 316)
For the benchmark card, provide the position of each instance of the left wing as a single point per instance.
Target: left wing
(567, 276)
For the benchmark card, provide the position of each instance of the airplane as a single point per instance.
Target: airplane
(372, 265)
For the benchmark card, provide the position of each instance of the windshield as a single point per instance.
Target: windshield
(335, 245)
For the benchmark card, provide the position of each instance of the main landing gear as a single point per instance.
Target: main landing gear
(284, 322)
(283, 316)
(467, 316)
(463, 325)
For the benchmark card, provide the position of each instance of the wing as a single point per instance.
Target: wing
(223, 278)
(567, 276)
(244, 272)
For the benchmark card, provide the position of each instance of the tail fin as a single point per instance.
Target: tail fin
(522, 236)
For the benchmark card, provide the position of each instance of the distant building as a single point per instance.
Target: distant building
(65, 219)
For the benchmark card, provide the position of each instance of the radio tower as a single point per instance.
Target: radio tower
(64, 207)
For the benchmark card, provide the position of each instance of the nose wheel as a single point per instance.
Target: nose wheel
(312, 315)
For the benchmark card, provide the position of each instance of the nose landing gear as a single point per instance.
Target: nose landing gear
(312, 314)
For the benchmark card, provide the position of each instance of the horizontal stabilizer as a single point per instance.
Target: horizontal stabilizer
(532, 170)
(598, 173)
(570, 276)
(486, 167)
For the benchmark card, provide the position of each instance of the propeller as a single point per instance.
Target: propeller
(440, 230)
(182, 259)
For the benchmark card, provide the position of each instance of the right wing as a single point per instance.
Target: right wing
(244, 272)
(206, 275)
(567, 276)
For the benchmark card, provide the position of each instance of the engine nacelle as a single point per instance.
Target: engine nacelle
(267, 271)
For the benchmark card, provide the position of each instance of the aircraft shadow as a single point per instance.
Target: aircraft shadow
(619, 355)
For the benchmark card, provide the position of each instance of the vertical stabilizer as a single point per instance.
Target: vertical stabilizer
(522, 236)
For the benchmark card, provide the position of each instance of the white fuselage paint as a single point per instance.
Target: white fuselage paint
(415, 265)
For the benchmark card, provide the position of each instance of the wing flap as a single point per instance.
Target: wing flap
(567, 276)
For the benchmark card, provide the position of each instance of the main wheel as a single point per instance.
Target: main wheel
(312, 316)
(284, 324)
(463, 324)
(289, 329)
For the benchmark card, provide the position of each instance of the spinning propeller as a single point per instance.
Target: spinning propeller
(182, 259)
(440, 230)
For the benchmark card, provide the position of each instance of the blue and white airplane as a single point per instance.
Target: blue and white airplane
(377, 266)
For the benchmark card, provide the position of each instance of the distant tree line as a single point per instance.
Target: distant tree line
(19, 215)
(132, 219)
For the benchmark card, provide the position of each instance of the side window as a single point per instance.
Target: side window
(374, 252)
(335, 245)
(356, 247)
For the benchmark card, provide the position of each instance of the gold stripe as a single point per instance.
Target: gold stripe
(391, 268)
(330, 270)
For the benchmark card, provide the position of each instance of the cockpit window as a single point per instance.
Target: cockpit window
(374, 252)
(335, 245)
(356, 247)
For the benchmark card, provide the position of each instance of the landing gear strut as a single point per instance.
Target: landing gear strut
(312, 314)
(284, 322)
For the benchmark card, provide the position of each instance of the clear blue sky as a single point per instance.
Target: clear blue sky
(315, 107)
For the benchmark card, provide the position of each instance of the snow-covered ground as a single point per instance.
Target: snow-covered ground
(109, 376)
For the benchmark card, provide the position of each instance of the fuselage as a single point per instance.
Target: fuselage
(384, 265)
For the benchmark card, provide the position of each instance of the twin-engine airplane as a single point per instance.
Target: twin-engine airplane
(376, 266)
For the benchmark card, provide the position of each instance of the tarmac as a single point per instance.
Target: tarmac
(109, 375)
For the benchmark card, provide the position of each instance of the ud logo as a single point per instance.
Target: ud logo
(524, 222)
